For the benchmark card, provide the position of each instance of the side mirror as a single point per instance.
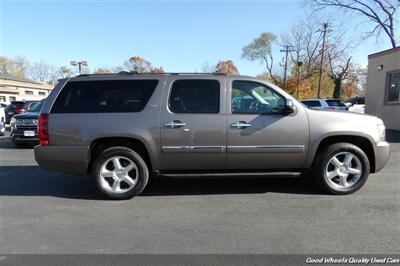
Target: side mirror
(348, 104)
(289, 106)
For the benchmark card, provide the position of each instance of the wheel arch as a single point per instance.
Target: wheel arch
(100, 144)
(364, 143)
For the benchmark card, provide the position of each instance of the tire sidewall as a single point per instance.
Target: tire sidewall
(321, 164)
(143, 170)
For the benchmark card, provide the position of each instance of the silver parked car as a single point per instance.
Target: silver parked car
(124, 128)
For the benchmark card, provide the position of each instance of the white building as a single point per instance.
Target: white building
(383, 87)
(17, 89)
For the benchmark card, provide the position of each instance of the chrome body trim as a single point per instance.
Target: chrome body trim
(215, 149)
(267, 148)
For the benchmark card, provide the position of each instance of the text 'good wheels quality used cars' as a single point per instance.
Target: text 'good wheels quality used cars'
(126, 128)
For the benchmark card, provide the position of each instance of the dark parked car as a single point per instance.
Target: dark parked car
(24, 126)
(18, 107)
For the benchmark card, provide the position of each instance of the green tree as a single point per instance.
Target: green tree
(260, 49)
(16, 67)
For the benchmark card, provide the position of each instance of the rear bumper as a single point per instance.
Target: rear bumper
(382, 155)
(67, 159)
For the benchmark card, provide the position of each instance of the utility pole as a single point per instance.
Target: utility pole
(299, 64)
(324, 31)
(286, 51)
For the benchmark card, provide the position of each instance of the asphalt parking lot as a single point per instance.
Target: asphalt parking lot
(45, 212)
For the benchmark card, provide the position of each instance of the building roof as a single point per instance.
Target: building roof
(19, 79)
(384, 52)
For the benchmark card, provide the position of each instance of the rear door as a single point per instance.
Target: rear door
(193, 123)
(259, 134)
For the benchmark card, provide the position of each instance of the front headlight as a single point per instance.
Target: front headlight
(12, 122)
(382, 132)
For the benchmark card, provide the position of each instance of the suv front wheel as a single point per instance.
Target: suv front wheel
(341, 168)
(120, 173)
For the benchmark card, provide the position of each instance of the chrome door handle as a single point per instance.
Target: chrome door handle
(175, 124)
(241, 124)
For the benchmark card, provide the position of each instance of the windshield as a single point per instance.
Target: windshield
(36, 107)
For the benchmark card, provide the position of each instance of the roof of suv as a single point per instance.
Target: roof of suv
(124, 74)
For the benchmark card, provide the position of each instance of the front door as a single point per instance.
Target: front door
(193, 124)
(259, 133)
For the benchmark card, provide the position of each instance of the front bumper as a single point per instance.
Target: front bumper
(66, 159)
(382, 155)
(17, 136)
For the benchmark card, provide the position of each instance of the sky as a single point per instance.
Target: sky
(180, 36)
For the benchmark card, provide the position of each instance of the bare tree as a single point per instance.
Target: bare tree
(305, 42)
(41, 71)
(380, 12)
(207, 67)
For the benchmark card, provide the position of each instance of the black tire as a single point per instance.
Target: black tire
(142, 178)
(322, 159)
(19, 145)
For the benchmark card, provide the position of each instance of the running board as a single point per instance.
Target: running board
(266, 174)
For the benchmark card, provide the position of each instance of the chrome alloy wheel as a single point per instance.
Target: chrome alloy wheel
(118, 174)
(343, 170)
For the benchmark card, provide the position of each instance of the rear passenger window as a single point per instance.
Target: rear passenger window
(195, 96)
(105, 96)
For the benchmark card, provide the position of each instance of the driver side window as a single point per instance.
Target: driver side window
(250, 97)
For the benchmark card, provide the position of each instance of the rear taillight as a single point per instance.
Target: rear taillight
(43, 129)
(22, 110)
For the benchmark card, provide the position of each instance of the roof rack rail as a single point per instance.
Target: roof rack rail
(147, 73)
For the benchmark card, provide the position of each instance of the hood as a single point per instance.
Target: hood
(27, 115)
(344, 115)
(329, 123)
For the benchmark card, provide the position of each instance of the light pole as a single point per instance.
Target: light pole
(79, 64)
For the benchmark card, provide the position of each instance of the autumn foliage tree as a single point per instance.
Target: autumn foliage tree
(141, 65)
(102, 71)
(227, 67)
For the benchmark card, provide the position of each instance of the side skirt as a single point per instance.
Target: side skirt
(296, 173)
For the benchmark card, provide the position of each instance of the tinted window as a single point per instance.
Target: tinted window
(312, 103)
(393, 90)
(36, 107)
(255, 98)
(14, 105)
(195, 96)
(28, 105)
(106, 96)
(335, 103)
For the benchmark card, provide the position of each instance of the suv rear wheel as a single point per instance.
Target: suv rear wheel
(120, 173)
(341, 168)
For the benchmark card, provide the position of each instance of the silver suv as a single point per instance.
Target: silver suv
(124, 128)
